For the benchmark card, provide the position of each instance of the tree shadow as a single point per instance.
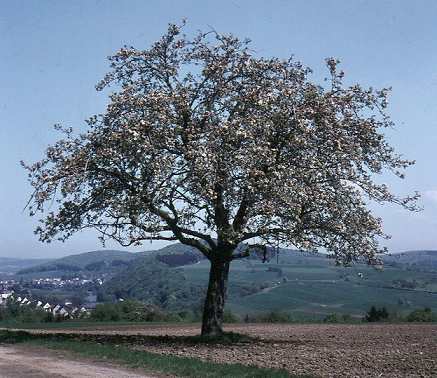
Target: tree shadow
(228, 338)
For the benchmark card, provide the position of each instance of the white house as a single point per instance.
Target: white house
(63, 312)
(56, 309)
(47, 307)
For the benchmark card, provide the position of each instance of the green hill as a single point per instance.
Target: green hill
(10, 265)
(312, 285)
(108, 260)
(300, 283)
(149, 280)
(92, 261)
(425, 260)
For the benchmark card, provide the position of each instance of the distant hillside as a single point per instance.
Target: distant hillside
(152, 281)
(92, 261)
(164, 277)
(177, 255)
(417, 259)
(311, 285)
(176, 248)
(110, 260)
(10, 265)
(301, 283)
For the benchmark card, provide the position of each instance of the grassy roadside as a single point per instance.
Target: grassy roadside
(73, 324)
(124, 356)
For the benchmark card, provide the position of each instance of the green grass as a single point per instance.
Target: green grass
(125, 356)
(341, 297)
(79, 323)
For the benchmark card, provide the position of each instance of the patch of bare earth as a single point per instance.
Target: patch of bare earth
(368, 350)
(29, 362)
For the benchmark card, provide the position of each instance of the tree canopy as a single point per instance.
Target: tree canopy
(206, 143)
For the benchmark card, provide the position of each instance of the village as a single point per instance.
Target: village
(19, 293)
(55, 282)
(64, 311)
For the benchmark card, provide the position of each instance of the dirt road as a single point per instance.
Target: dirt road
(25, 362)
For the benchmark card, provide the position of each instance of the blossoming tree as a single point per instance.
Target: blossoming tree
(205, 143)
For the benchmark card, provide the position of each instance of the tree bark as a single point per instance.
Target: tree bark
(212, 322)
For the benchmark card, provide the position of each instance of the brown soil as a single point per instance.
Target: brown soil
(368, 350)
(388, 350)
(29, 362)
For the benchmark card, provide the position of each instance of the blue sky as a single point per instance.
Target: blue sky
(54, 52)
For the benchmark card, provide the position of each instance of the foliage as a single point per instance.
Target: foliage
(271, 317)
(177, 259)
(129, 310)
(146, 279)
(331, 318)
(95, 266)
(421, 315)
(189, 316)
(230, 317)
(15, 313)
(339, 318)
(377, 314)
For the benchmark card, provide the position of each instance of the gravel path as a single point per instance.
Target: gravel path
(19, 362)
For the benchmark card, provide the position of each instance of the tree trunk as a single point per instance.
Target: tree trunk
(212, 322)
